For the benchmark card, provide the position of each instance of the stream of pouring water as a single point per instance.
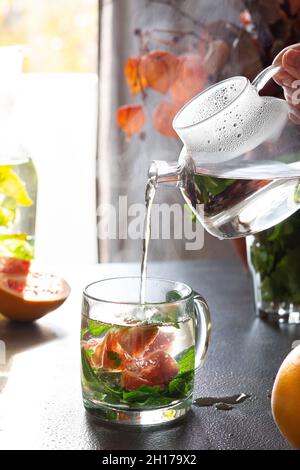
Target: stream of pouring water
(149, 196)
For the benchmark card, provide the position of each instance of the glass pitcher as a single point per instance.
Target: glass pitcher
(239, 167)
(18, 179)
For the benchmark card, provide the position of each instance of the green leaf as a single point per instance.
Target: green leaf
(167, 315)
(17, 245)
(87, 370)
(209, 185)
(190, 214)
(182, 385)
(104, 383)
(267, 290)
(110, 382)
(274, 233)
(156, 401)
(113, 356)
(147, 397)
(141, 394)
(99, 395)
(275, 255)
(290, 157)
(186, 360)
(297, 194)
(97, 328)
(173, 296)
(109, 415)
(12, 185)
(84, 331)
(89, 352)
(167, 319)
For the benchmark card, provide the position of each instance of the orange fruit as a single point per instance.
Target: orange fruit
(29, 297)
(286, 398)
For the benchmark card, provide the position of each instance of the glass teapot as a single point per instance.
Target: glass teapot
(239, 168)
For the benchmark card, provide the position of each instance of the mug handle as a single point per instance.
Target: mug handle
(202, 329)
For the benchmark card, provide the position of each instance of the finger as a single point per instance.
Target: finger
(295, 118)
(294, 110)
(292, 101)
(288, 93)
(291, 63)
(283, 78)
(278, 58)
(291, 93)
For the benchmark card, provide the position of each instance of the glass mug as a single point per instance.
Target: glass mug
(139, 361)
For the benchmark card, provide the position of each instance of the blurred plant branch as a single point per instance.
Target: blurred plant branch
(175, 5)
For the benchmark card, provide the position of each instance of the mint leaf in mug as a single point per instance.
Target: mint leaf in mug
(182, 385)
(97, 329)
(113, 356)
(186, 360)
(141, 394)
(173, 296)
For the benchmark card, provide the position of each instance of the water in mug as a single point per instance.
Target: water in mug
(137, 366)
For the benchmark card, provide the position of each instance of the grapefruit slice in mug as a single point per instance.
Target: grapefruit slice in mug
(27, 297)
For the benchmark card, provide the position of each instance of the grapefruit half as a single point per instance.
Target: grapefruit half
(30, 296)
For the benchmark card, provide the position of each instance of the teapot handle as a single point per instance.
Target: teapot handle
(264, 76)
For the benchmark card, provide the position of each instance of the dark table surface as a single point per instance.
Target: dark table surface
(40, 403)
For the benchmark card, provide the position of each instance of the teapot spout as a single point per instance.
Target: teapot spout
(165, 173)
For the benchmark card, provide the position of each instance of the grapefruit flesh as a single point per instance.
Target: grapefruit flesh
(14, 266)
(163, 341)
(139, 353)
(156, 368)
(131, 381)
(29, 297)
(135, 340)
(120, 346)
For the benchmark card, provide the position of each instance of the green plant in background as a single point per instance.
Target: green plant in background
(275, 255)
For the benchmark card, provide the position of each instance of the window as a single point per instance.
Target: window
(55, 118)
(60, 35)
